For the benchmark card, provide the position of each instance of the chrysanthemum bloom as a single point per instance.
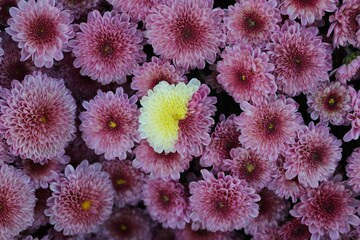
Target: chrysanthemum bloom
(350, 70)
(82, 199)
(137, 9)
(294, 230)
(41, 30)
(166, 202)
(315, 155)
(79, 8)
(330, 208)
(353, 170)
(331, 102)
(307, 11)
(5, 155)
(345, 25)
(282, 186)
(17, 200)
(223, 139)
(250, 166)
(11, 67)
(222, 204)
(302, 60)
(268, 233)
(353, 117)
(244, 73)
(201, 234)
(189, 32)
(177, 117)
(40, 219)
(42, 174)
(109, 124)
(268, 128)
(252, 22)
(5, 5)
(108, 47)
(36, 125)
(272, 211)
(127, 224)
(148, 75)
(160, 165)
(126, 180)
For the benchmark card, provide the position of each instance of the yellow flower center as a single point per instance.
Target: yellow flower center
(249, 167)
(243, 77)
(165, 198)
(86, 205)
(123, 227)
(271, 126)
(112, 124)
(120, 181)
(43, 119)
(331, 101)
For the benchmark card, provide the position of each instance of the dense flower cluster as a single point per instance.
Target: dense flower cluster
(179, 119)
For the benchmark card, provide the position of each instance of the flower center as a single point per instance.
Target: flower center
(249, 167)
(221, 205)
(331, 101)
(112, 124)
(120, 181)
(243, 77)
(86, 205)
(107, 50)
(43, 119)
(123, 227)
(251, 23)
(165, 198)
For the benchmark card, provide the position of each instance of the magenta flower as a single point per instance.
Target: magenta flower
(353, 170)
(166, 202)
(127, 224)
(350, 70)
(126, 180)
(252, 22)
(108, 47)
(79, 8)
(189, 32)
(345, 25)
(283, 187)
(36, 125)
(160, 165)
(82, 199)
(294, 230)
(42, 174)
(17, 198)
(330, 208)
(222, 204)
(273, 210)
(5, 5)
(147, 76)
(137, 9)
(201, 234)
(300, 57)
(308, 12)
(244, 73)
(109, 124)
(223, 139)
(314, 156)
(41, 30)
(331, 102)
(270, 127)
(246, 164)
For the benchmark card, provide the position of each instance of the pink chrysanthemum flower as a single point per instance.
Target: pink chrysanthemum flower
(82, 199)
(222, 204)
(270, 127)
(41, 30)
(252, 22)
(294, 230)
(272, 211)
(314, 157)
(36, 125)
(126, 180)
(108, 47)
(160, 165)
(201, 234)
(353, 170)
(109, 124)
(330, 208)
(244, 73)
(17, 200)
(5, 155)
(254, 168)
(147, 76)
(166, 202)
(302, 60)
(127, 224)
(223, 139)
(331, 102)
(307, 11)
(283, 187)
(189, 32)
(5, 5)
(353, 117)
(268, 233)
(79, 8)
(40, 219)
(11, 67)
(350, 70)
(345, 24)
(177, 117)
(137, 9)
(42, 174)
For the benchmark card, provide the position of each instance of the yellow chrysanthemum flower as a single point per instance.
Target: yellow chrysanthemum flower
(161, 112)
